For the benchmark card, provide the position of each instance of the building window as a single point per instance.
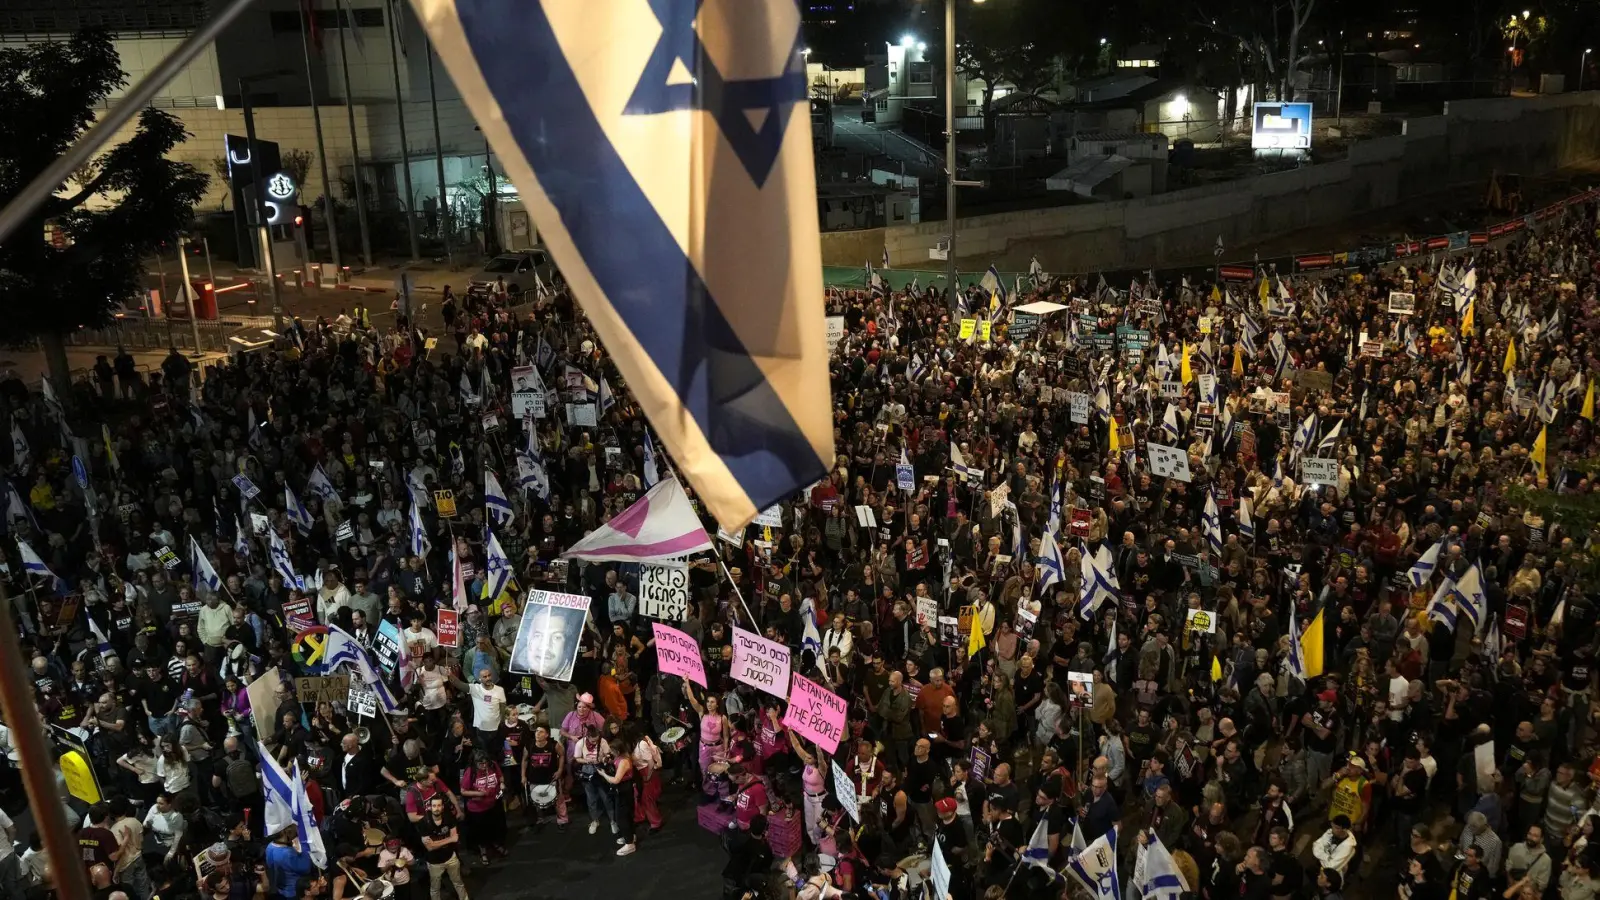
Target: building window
(288, 21)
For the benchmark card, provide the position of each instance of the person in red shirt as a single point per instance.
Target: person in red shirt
(750, 796)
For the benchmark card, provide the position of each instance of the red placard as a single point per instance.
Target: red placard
(447, 627)
(1516, 626)
(297, 615)
(1081, 519)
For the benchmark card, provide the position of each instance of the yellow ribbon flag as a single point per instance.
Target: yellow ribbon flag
(1511, 356)
(1184, 371)
(1264, 291)
(1238, 362)
(1116, 445)
(1216, 669)
(975, 641)
(1588, 403)
(1540, 446)
(1466, 318)
(1216, 294)
(1312, 641)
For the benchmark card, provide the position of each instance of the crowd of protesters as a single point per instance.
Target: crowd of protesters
(1269, 690)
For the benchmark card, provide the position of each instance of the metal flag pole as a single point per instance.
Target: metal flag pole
(38, 768)
(306, 12)
(45, 184)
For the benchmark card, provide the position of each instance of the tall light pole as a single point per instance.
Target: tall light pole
(347, 22)
(400, 115)
(951, 181)
(1583, 63)
(306, 12)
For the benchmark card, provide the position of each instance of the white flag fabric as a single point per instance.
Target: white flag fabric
(1158, 876)
(296, 512)
(1051, 569)
(620, 124)
(1422, 571)
(342, 649)
(1211, 522)
(660, 525)
(21, 453)
(652, 473)
(287, 804)
(1096, 867)
(1097, 587)
(278, 555)
(205, 575)
(495, 502)
(420, 545)
(496, 564)
(33, 564)
(320, 485)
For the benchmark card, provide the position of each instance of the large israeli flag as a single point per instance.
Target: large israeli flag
(664, 149)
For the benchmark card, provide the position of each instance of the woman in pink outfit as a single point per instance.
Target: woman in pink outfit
(714, 727)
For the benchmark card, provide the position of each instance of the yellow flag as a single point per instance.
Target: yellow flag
(1264, 291)
(1511, 356)
(1216, 669)
(1184, 371)
(1311, 645)
(975, 641)
(1466, 318)
(1216, 294)
(1588, 403)
(1538, 453)
(1116, 445)
(1238, 362)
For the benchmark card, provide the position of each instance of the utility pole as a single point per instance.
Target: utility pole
(322, 149)
(400, 114)
(346, 22)
(438, 157)
(950, 148)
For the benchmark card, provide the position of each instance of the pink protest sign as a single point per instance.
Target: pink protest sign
(678, 654)
(760, 663)
(815, 713)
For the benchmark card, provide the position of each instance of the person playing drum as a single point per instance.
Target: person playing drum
(543, 764)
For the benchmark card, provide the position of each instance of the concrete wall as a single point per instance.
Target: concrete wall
(1465, 144)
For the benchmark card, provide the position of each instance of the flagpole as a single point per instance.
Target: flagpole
(307, 11)
(27, 201)
(38, 773)
(736, 592)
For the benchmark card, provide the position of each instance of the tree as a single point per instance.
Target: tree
(1019, 43)
(135, 198)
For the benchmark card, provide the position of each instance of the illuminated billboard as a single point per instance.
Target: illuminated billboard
(1281, 126)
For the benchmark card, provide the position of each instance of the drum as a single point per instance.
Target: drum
(674, 739)
(826, 863)
(542, 796)
(717, 768)
(372, 837)
(385, 886)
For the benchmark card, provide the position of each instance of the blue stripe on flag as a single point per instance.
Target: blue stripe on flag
(647, 278)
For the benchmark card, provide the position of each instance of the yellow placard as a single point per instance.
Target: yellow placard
(75, 770)
(968, 326)
(445, 503)
(983, 331)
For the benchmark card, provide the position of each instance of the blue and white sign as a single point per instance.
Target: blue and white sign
(246, 487)
(1281, 126)
(904, 475)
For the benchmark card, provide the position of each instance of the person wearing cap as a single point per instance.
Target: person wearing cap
(1321, 727)
(1352, 792)
(1337, 846)
(1006, 840)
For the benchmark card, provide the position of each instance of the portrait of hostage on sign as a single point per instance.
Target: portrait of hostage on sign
(548, 641)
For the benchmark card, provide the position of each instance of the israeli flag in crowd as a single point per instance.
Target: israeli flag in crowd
(620, 123)
(1304, 435)
(420, 545)
(287, 804)
(241, 539)
(810, 639)
(1331, 439)
(204, 574)
(1211, 521)
(652, 472)
(103, 645)
(32, 563)
(1053, 524)
(342, 649)
(1051, 568)
(531, 476)
(278, 554)
(992, 285)
(1470, 598)
(1037, 853)
(1096, 867)
(319, 485)
(1098, 586)
(1295, 664)
(1422, 571)
(495, 501)
(297, 513)
(21, 453)
(1158, 877)
(1247, 525)
(1442, 607)
(496, 563)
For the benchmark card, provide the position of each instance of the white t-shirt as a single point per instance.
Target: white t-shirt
(488, 707)
(433, 682)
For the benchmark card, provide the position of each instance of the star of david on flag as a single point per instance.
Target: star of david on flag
(664, 150)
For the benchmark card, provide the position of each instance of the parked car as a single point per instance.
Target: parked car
(521, 271)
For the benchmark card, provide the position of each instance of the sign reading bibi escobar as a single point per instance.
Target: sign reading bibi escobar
(815, 713)
(664, 592)
(549, 635)
(760, 663)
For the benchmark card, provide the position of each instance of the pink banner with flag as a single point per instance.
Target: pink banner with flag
(815, 713)
(679, 654)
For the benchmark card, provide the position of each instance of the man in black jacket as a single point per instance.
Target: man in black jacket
(749, 858)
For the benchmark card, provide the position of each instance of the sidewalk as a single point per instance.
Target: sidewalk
(428, 275)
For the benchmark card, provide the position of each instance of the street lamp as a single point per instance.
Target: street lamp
(951, 182)
(1583, 62)
(908, 41)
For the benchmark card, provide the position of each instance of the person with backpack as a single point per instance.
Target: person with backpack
(237, 780)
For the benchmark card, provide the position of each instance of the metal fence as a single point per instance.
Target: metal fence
(144, 333)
